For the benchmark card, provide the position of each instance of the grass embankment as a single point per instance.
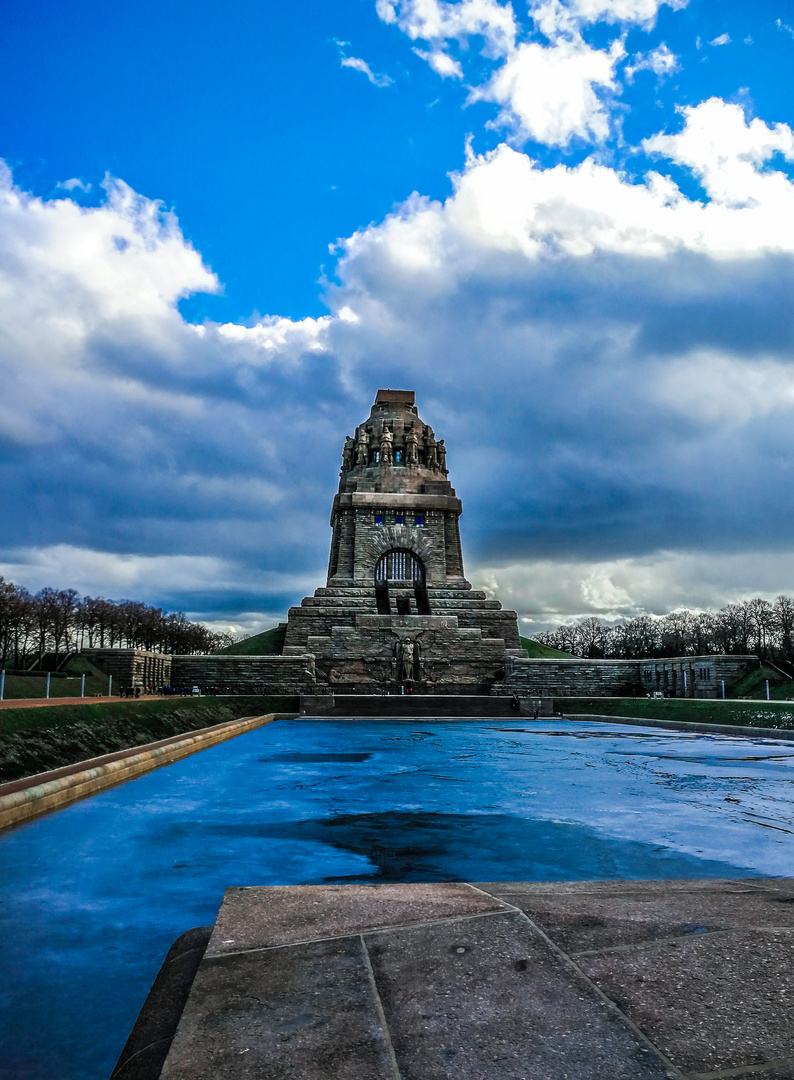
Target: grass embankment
(268, 643)
(36, 740)
(766, 714)
(753, 685)
(543, 652)
(66, 683)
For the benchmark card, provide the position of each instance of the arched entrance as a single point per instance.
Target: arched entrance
(404, 571)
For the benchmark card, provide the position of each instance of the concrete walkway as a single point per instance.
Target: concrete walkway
(508, 981)
(38, 703)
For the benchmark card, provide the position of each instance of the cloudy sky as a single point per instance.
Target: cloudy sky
(568, 225)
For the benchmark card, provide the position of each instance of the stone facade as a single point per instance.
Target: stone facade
(683, 676)
(244, 674)
(133, 667)
(396, 608)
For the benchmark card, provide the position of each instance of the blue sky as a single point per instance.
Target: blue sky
(568, 225)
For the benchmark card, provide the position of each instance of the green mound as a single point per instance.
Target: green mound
(753, 685)
(268, 643)
(542, 652)
(64, 683)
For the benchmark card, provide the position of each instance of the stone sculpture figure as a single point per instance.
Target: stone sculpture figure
(411, 446)
(347, 454)
(362, 448)
(407, 666)
(387, 447)
(441, 451)
(431, 452)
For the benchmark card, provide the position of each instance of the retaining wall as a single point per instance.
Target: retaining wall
(24, 799)
(245, 674)
(681, 676)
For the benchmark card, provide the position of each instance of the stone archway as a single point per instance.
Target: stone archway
(401, 567)
(400, 564)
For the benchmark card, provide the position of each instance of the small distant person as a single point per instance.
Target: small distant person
(515, 703)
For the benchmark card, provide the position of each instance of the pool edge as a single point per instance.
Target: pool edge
(60, 787)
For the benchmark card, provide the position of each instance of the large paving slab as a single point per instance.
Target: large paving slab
(257, 918)
(506, 981)
(302, 1013)
(704, 968)
(585, 915)
(486, 997)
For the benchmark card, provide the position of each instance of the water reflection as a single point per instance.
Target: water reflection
(92, 896)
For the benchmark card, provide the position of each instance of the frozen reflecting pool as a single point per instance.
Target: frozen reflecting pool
(92, 896)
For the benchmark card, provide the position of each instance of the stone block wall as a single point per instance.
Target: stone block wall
(245, 674)
(132, 667)
(688, 676)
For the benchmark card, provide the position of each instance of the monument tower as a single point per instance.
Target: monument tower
(397, 609)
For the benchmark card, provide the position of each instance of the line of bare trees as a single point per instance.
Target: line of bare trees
(60, 621)
(753, 627)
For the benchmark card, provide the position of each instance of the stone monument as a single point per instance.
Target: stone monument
(396, 611)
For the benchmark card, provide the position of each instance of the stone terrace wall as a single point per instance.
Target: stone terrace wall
(245, 674)
(132, 667)
(687, 676)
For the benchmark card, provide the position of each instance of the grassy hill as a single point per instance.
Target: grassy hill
(64, 683)
(542, 652)
(268, 643)
(753, 685)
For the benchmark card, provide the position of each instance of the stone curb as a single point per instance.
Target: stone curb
(686, 725)
(46, 795)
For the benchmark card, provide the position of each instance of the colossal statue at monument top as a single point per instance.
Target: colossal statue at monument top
(396, 600)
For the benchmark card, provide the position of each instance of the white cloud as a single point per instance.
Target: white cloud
(547, 592)
(357, 64)
(723, 39)
(74, 185)
(550, 93)
(436, 22)
(728, 154)
(92, 572)
(785, 27)
(137, 430)
(555, 17)
(661, 61)
(643, 12)
(505, 202)
(70, 275)
(277, 338)
(443, 64)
